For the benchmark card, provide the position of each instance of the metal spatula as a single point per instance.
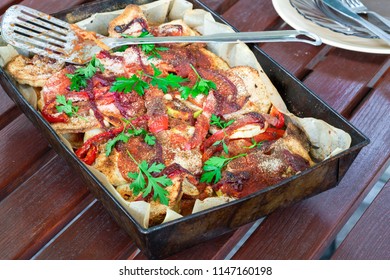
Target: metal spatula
(43, 34)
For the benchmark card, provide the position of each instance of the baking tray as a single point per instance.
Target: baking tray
(163, 240)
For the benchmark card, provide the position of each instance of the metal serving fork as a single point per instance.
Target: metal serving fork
(43, 34)
(358, 7)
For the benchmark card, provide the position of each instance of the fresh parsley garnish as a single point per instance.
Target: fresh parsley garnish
(224, 145)
(149, 49)
(201, 86)
(255, 144)
(112, 142)
(217, 121)
(171, 80)
(127, 85)
(67, 107)
(124, 136)
(148, 138)
(80, 77)
(213, 168)
(145, 182)
(136, 83)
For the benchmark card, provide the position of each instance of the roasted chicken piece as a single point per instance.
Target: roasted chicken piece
(266, 164)
(33, 71)
(131, 22)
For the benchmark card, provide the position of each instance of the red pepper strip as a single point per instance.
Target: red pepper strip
(269, 134)
(218, 136)
(88, 156)
(53, 118)
(158, 123)
(202, 124)
(208, 153)
(275, 113)
(88, 151)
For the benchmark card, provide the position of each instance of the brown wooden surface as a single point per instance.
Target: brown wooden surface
(46, 211)
(370, 237)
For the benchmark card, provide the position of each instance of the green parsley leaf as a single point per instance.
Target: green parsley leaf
(139, 183)
(111, 143)
(124, 136)
(155, 184)
(213, 168)
(217, 121)
(171, 80)
(127, 85)
(185, 92)
(150, 139)
(156, 167)
(79, 78)
(255, 144)
(201, 86)
(66, 106)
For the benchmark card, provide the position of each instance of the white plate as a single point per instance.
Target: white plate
(290, 15)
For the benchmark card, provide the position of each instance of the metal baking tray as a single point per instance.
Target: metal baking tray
(163, 240)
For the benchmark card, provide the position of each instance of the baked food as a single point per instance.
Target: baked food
(183, 122)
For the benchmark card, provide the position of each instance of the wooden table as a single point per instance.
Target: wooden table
(46, 211)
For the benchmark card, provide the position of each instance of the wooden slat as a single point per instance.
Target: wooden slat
(8, 110)
(370, 237)
(39, 208)
(21, 147)
(94, 235)
(305, 230)
(345, 86)
(5, 4)
(246, 15)
(51, 6)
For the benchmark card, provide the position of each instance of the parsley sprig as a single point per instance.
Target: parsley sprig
(201, 86)
(213, 168)
(67, 107)
(127, 85)
(255, 144)
(137, 84)
(80, 77)
(217, 121)
(125, 135)
(171, 80)
(145, 182)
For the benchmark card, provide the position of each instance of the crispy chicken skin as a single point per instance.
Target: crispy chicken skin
(33, 71)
